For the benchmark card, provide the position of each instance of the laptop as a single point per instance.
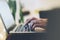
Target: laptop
(19, 35)
(9, 22)
(11, 27)
(7, 18)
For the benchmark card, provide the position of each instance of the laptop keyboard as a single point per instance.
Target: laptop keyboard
(26, 27)
(23, 28)
(18, 29)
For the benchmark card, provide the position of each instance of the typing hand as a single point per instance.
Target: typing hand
(38, 24)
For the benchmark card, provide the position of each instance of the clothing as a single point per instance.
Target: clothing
(53, 27)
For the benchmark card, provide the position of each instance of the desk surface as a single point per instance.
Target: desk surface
(2, 31)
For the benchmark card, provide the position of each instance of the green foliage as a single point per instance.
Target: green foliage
(12, 5)
(21, 15)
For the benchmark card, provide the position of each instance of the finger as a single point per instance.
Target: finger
(38, 29)
(30, 19)
(37, 25)
(33, 18)
(40, 23)
(35, 21)
(43, 19)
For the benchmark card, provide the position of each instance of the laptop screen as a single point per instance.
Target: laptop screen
(6, 15)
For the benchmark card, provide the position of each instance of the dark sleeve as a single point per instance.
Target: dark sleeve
(53, 27)
(43, 14)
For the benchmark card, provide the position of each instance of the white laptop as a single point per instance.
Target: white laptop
(8, 20)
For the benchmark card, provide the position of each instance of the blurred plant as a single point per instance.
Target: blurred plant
(12, 5)
(21, 15)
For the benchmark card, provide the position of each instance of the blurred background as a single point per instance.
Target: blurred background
(28, 8)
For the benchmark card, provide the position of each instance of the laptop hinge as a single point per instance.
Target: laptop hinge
(11, 28)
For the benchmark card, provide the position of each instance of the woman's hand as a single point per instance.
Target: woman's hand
(38, 23)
